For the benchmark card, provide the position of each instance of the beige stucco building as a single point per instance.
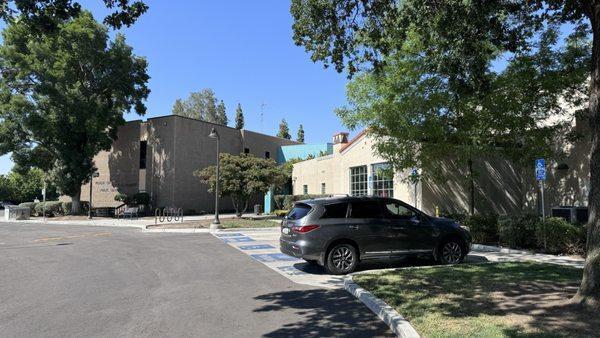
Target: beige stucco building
(160, 155)
(354, 168)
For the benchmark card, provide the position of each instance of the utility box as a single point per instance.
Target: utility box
(15, 213)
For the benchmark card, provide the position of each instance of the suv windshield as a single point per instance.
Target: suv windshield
(298, 211)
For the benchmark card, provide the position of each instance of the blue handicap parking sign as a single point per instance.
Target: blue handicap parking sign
(540, 169)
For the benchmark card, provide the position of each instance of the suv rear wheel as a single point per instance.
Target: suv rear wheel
(451, 251)
(341, 259)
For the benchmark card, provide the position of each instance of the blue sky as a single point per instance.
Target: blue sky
(244, 51)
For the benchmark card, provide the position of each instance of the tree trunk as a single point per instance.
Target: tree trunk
(471, 188)
(76, 203)
(589, 291)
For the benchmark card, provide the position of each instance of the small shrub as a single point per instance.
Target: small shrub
(288, 202)
(279, 201)
(484, 228)
(280, 212)
(51, 208)
(518, 231)
(66, 207)
(30, 205)
(556, 235)
(120, 197)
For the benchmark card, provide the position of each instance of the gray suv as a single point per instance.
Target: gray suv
(338, 232)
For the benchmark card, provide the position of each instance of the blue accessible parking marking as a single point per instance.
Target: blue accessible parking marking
(233, 234)
(237, 239)
(292, 271)
(274, 257)
(256, 247)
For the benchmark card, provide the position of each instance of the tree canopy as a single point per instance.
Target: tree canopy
(239, 117)
(284, 130)
(243, 176)
(25, 186)
(300, 136)
(63, 96)
(45, 15)
(203, 106)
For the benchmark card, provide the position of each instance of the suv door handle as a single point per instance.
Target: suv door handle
(353, 227)
(399, 228)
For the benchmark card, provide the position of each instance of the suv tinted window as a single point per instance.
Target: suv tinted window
(298, 211)
(398, 211)
(337, 210)
(366, 209)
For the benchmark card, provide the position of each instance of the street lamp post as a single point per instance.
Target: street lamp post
(94, 174)
(216, 224)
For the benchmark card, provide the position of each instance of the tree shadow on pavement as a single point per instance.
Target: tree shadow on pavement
(315, 269)
(323, 313)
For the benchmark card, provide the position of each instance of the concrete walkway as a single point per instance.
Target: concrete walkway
(141, 223)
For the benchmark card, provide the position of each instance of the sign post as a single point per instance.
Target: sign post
(540, 175)
(44, 200)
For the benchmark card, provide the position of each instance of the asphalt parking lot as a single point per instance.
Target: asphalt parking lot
(63, 280)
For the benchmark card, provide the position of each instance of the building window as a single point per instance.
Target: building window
(143, 146)
(267, 154)
(246, 150)
(383, 180)
(358, 180)
(323, 189)
(305, 189)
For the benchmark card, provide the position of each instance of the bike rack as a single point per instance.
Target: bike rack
(168, 215)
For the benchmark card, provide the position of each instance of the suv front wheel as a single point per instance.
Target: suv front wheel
(451, 252)
(341, 259)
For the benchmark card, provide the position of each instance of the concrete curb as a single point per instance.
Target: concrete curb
(179, 231)
(491, 248)
(398, 324)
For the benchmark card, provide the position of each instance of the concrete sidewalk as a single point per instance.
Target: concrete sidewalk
(140, 223)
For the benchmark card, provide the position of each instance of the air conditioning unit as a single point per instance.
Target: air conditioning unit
(571, 213)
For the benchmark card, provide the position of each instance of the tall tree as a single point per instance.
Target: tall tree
(222, 114)
(284, 130)
(201, 105)
(243, 176)
(300, 136)
(178, 108)
(460, 38)
(64, 95)
(45, 15)
(239, 117)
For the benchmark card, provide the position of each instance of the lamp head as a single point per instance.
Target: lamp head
(213, 133)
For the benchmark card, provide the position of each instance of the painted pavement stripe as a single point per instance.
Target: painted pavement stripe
(233, 234)
(274, 257)
(256, 247)
(237, 239)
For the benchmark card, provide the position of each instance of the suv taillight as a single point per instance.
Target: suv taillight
(304, 228)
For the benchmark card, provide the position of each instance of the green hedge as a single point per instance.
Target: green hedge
(518, 231)
(30, 205)
(51, 208)
(484, 228)
(556, 235)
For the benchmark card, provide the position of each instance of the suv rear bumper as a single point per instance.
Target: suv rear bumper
(300, 249)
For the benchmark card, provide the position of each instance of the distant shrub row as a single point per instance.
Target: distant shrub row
(53, 208)
(527, 231)
(285, 202)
